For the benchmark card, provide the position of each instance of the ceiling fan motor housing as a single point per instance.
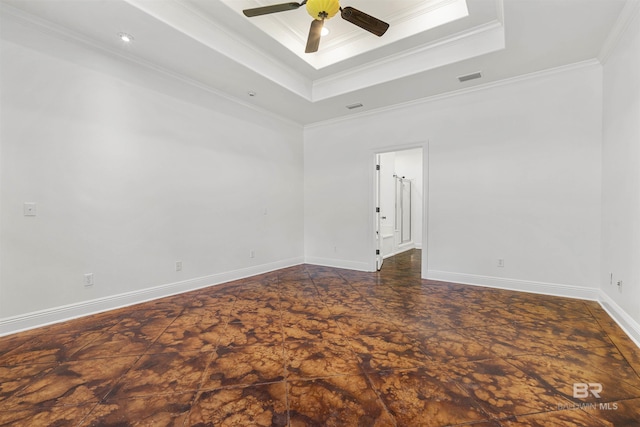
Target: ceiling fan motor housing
(322, 9)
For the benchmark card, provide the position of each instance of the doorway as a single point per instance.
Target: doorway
(399, 202)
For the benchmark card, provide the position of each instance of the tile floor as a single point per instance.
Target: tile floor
(317, 346)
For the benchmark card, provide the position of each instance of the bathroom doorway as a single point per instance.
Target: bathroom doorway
(399, 202)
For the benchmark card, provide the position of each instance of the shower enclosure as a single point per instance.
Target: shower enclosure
(403, 209)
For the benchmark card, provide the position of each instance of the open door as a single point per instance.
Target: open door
(379, 255)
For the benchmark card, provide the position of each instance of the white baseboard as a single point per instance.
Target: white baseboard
(10, 325)
(557, 289)
(340, 263)
(628, 324)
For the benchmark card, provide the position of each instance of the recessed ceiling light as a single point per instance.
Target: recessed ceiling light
(127, 38)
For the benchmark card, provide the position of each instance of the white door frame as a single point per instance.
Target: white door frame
(374, 216)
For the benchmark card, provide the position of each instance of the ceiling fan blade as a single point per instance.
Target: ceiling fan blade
(274, 8)
(362, 20)
(313, 42)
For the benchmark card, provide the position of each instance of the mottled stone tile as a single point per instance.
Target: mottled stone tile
(565, 418)
(113, 344)
(419, 323)
(11, 342)
(383, 352)
(311, 329)
(336, 401)
(447, 344)
(313, 359)
(503, 390)
(260, 329)
(71, 383)
(355, 325)
(483, 316)
(616, 414)
(256, 405)
(243, 365)
(604, 366)
(58, 416)
(303, 308)
(163, 373)
(15, 378)
(485, 357)
(202, 317)
(351, 307)
(49, 348)
(418, 398)
(554, 309)
(540, 337)
(196, 337)
(169, 410)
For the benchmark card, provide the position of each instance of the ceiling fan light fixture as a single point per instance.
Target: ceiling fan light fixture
(323, 9)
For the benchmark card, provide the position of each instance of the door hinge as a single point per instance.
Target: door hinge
(377, 251)
(377, 167)
(377, 210)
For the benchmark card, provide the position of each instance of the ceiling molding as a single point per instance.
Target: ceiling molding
(346, 40)
(477, 41)
(630, 11)
(453, 94)
(199, 27)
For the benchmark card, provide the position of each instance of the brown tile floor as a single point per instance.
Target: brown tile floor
(316, 346)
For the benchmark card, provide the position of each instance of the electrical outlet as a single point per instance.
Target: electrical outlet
(88, 279)
(178, 265)
(500, 262)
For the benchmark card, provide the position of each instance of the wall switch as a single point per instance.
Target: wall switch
(178, 265)
(29, 209)
(500, 262)
(88, 279)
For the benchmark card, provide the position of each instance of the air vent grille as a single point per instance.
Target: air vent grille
(471, 76)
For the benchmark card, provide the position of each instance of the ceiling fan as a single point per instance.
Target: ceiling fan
(321, 10)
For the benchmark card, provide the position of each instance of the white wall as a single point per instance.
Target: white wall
(513, 173)
(621, 173)
(132, 171)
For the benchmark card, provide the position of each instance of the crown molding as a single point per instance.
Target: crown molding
(476, 41)
(629, 12)
(478, 88)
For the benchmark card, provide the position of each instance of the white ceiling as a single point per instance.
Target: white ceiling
(210, 43)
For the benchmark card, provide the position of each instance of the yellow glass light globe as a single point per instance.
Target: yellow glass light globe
(322, 9)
